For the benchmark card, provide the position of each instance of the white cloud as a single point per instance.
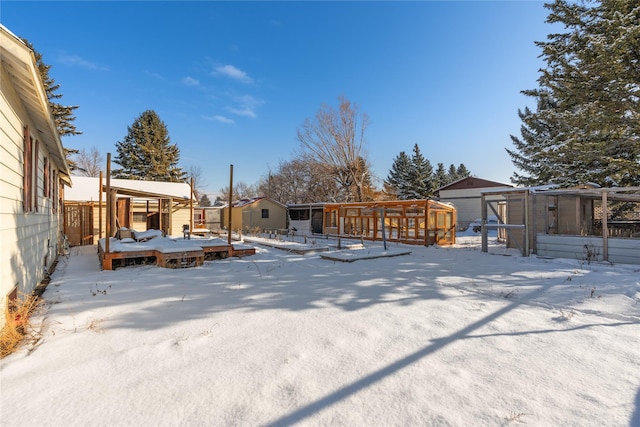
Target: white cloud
(77, 61)
(155, 75)
(233, 73)
(220, 119)
(246, 106)
(190, 81)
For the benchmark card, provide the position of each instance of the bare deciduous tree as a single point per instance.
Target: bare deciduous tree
(195, 172)
(241, 190)
(335, 140)
(89, 162)
(300, 180)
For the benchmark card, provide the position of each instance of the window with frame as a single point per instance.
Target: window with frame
(140, 217)
(265, 213)
(299, 214)
(30, 172)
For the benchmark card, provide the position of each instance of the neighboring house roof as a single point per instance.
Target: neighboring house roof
(20, 64)
(85, 189)
(246, 202)
(472, 182)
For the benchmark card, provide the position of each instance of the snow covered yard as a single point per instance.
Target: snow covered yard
(441, 336)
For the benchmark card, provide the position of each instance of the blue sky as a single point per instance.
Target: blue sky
(234, 81)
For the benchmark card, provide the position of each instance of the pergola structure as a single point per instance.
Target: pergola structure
(420, 222)
(165, 204)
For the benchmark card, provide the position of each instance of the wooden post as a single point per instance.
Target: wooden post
(230, 202)
(485, 239)
(605, 228)
(160, 215)
(525, 249)
(108, 216)
(100, 208)
(113, 211)
(191, 208)
(426, 223)
(170, 227)
(384, 231)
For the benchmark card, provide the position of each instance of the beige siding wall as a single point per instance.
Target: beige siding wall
(252, 216)
(249, 217)
(29, 239)
(179, 217)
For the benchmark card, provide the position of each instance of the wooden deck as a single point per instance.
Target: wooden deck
(191, 254)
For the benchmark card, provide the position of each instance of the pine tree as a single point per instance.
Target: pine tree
(399, 178)
(421, 176)
(62, 114)
(146, 152)
(586, 126)
(452, 173)
(440, 178)
(204, 201)
(462, 171)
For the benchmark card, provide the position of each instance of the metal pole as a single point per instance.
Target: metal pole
(230, 202)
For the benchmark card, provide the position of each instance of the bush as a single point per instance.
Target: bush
(17, 327)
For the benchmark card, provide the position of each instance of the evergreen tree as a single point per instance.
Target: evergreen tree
(535, 153)
(462, 171)
(399, 179)
(586, 126)
(204, 201)
(62, 114)
(452, 174)
(440, 178)
(146, 152)
(421, 176)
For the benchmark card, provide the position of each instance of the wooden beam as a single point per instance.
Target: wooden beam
(230, 203)
(108, 218)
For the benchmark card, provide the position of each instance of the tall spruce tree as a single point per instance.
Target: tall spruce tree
(398, 180)
(146, 152)
(452, 173)
(440, 178)
(462, 171)
(587, 124)
(421, 176)
(204, 201)
(63, 115)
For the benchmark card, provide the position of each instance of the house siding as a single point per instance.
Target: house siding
(248, 217)
(30, 240)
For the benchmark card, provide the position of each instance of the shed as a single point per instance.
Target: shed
(34, 173)
(586, 222)
(422, 222)
(466, 195)
(256, 214)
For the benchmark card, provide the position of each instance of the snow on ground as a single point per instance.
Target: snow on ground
(440, 336)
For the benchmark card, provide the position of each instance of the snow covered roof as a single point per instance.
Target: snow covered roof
(85, 189)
